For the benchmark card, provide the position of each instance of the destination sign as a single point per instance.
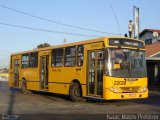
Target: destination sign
(125, 42)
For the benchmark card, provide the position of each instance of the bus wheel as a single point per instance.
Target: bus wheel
(24, 87)
(75, 93)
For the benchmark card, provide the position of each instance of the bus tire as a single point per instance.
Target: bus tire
(24, 89)
(75, 93)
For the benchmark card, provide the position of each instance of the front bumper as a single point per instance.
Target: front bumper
(109, 95)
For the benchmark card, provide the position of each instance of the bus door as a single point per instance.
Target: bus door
(16, 72)
(95, 73)
(44, 63)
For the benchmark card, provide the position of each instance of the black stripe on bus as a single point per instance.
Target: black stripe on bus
(62, 83)
(59, 82)
(29, 81)
(51, 82)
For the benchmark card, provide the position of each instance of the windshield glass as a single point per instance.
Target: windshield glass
(126, 63)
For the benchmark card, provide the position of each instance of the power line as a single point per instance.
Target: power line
(116, 19)
(52, 21)
(50, 31)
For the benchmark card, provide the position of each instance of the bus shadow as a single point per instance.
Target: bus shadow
(62, 98)
(52, 96)
(66, 98)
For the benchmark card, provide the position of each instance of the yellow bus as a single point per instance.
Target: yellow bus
(105, 68)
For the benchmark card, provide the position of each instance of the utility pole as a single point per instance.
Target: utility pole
(136, 22)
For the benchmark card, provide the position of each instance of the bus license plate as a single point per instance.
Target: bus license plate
(132, 95)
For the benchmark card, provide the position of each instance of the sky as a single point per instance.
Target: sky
(91, 14)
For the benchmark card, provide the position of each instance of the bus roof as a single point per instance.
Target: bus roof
(72, 44)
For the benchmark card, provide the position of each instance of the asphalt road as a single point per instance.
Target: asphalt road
(14, 102)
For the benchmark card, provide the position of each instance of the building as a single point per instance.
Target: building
(153, 64)
(150, 36)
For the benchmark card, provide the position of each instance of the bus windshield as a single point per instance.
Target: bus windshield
(126, 63)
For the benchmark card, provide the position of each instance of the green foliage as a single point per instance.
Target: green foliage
(43, 45)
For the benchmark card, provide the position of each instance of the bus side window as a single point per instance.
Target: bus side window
(33, 62)
(70, 56)
(25, 60)
(57, 57)
(80, 53)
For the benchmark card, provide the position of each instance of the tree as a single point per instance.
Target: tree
(43, 45)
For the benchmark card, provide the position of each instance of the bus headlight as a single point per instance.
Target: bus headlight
(143, 89)
(115, 90)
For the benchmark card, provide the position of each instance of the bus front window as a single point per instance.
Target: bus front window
(126, 63)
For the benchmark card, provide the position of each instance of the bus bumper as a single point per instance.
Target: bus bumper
(109, 95)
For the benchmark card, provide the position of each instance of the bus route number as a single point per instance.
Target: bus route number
(119, 82)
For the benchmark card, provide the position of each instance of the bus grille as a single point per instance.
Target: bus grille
(129, 89)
